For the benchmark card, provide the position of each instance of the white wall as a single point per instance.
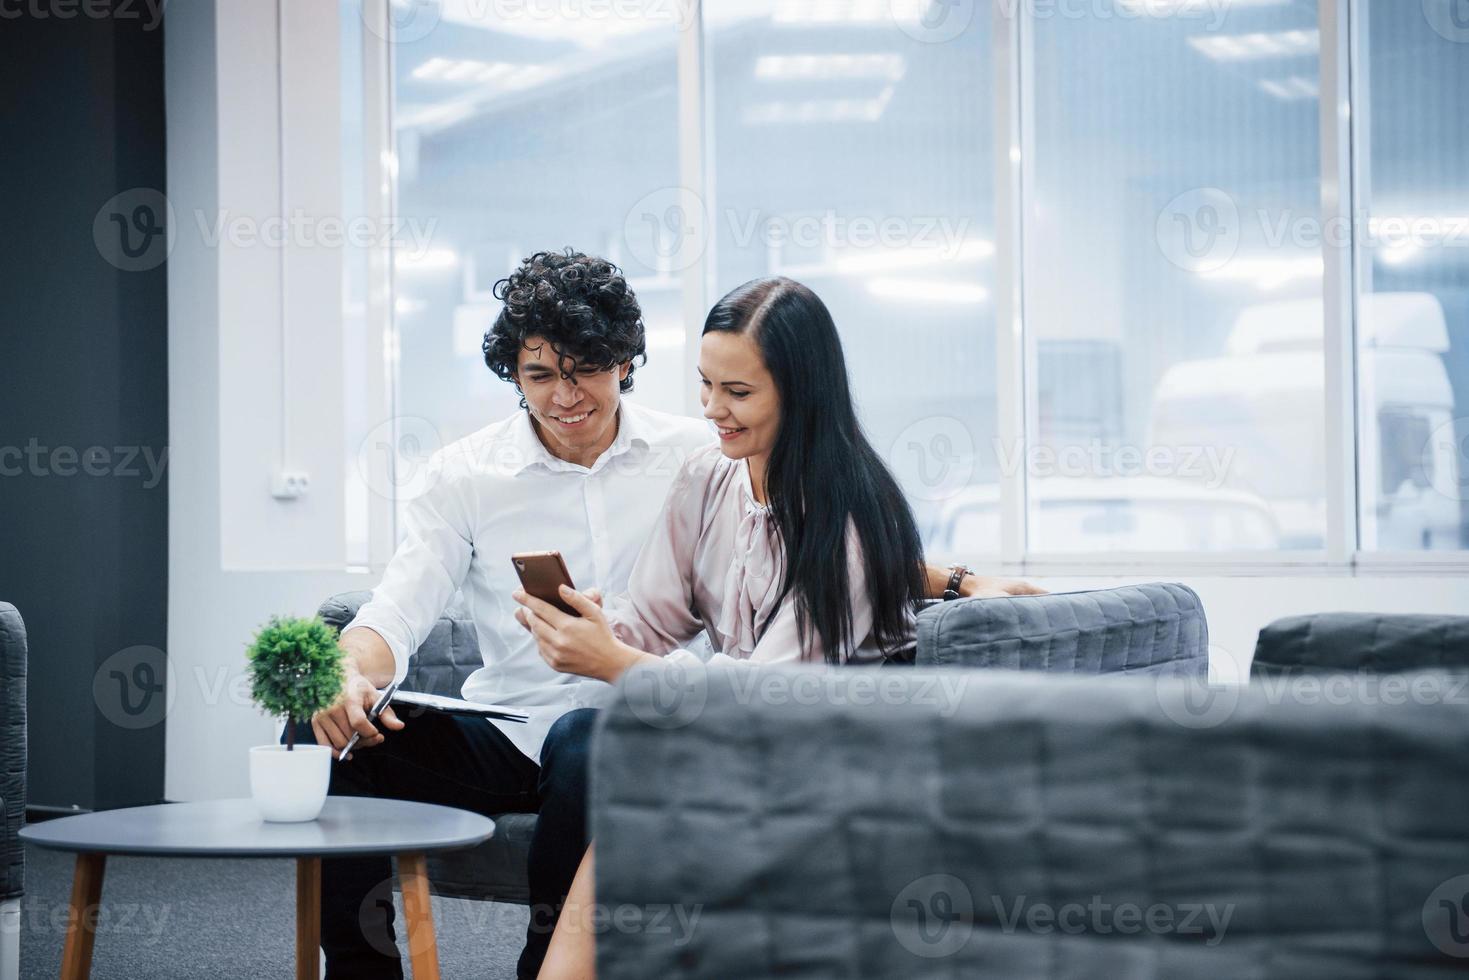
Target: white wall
(236, 555)
(225, 383)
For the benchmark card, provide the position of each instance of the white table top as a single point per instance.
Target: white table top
(233, 828)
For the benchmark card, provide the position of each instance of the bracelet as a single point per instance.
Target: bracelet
(956, 575)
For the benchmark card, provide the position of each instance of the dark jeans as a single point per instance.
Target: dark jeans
(470, 764)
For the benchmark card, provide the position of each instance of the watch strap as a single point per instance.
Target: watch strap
(956, 576)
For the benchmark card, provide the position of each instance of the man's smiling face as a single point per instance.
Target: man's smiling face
(576, 417)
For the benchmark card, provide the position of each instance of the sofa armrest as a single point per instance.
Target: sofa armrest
(13, 754)
(1370, 642)
(1158, 627)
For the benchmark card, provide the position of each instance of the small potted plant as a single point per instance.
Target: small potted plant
(295, 671)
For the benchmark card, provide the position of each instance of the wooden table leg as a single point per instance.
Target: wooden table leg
(308, 918)
(81, 923)
(423, 948)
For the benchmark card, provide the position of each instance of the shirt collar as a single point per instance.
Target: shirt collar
(632, 430)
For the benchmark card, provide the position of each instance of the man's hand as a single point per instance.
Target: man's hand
(334, 726)
(581, 644)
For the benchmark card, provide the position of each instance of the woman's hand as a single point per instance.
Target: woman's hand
(988, 587)
(581, 644)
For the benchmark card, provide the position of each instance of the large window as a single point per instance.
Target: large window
(1173, 309)
(1171, 342)
(520, 128)
(1413, 275)
(852, 151)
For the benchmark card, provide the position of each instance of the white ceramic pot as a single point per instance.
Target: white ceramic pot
(290, 786)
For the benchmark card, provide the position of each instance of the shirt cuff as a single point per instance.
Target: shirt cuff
(392, 634)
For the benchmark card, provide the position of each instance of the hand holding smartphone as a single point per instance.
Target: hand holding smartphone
(541, 574)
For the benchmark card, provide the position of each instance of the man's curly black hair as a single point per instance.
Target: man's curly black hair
(580, 303)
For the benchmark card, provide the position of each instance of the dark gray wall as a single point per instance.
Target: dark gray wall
(83, 364)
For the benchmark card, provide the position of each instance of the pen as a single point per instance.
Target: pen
(377, 709)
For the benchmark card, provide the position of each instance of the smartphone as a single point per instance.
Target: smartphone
(540, 573)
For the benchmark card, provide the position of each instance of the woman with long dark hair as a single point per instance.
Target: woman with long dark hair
(788, 541)
(791, 537)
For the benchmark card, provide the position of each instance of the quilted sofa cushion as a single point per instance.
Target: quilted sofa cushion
(1350, 642)
(1157, 627)
(445, 659)
(990, 823)
(13, 752)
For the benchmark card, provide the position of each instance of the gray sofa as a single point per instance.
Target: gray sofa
(1154, 628)
(1005, 824)
(1361, 642)
(1138, 628)
(12, 783)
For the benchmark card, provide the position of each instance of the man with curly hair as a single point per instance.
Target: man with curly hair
(581, 470)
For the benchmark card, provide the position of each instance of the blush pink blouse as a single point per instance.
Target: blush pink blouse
(715, 564)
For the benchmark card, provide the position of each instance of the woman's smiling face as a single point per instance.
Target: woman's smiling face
(738, 394)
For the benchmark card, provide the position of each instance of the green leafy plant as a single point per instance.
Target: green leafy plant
(295, 669)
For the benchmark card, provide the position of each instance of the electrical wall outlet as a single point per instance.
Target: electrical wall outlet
(289, 484)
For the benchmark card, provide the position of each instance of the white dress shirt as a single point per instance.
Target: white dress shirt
(497, 492)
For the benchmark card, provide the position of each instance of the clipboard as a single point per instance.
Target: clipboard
(419, 701)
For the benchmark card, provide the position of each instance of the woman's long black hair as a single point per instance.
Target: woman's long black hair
(823, 474)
